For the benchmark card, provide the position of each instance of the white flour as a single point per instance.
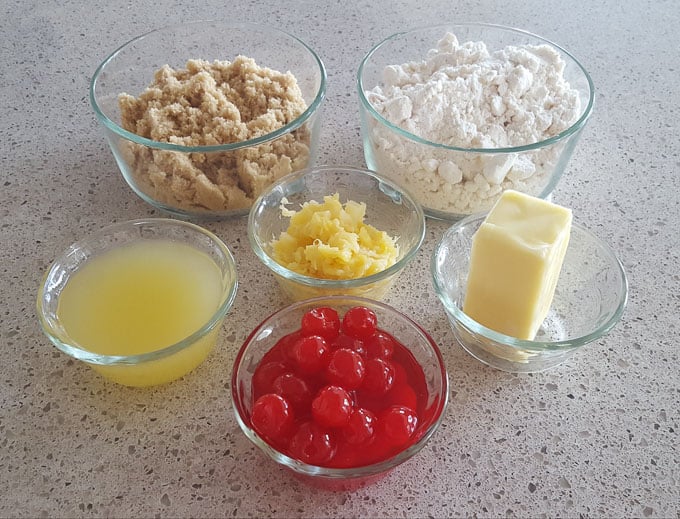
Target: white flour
(462, 95)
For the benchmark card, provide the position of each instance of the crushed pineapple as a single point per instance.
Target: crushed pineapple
(330, 240)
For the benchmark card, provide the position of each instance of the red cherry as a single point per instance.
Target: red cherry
(332, 407)
(345, 368)
(379, 376)
(322, 321)
(272, 416)
(350, 343)
(264, 377)
(294, 389)
(312, 444)
(380, 345)
(310, 354)
(360, 427)
(397, 424)
(285, 345)
(359, 322)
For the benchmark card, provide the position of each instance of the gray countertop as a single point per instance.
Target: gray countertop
(596, 436)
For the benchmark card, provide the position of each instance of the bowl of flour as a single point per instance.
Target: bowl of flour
(458, 113)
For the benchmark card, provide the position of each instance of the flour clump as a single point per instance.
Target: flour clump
(466, 96)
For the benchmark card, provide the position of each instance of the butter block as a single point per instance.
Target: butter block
(515, 262)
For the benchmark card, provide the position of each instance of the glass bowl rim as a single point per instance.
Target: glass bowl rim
(332, 472)
(130, 136)
(473, 326)
(310, 281)
(573, 129)
(75, 350)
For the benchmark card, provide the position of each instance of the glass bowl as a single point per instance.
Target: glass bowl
(589, 299)
(456, 122)
(388, 208)
(287, 320)
(224, 174)
(156, 342)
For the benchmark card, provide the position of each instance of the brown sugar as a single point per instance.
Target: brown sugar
(208, 104)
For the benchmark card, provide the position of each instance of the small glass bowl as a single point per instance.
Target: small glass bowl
(155, 367)
(217, 181)
(589, 299)
(286, 321)
(388, 208)
(449, 180)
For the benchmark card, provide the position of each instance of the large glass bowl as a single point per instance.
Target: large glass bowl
(208, 181)
(170, 361)
(589, 299)
(286, 321)
(454, 178)
(388, 208)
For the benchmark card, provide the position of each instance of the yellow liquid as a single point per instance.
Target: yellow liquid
(141, 298)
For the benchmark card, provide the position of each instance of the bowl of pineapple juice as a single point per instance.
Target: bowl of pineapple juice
(141, 302)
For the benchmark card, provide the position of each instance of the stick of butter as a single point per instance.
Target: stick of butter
(515, 261)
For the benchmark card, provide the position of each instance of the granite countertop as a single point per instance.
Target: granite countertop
(596, 436)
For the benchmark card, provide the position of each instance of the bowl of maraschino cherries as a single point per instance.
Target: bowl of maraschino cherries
(339, 390)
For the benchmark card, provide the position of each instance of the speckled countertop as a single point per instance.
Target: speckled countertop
(597, 436)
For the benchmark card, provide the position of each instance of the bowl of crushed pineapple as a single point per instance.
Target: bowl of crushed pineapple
(332, 230)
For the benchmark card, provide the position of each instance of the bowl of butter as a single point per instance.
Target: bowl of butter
(524, 286)
(331, 230)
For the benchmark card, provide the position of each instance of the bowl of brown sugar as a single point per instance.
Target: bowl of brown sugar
(201, 117)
